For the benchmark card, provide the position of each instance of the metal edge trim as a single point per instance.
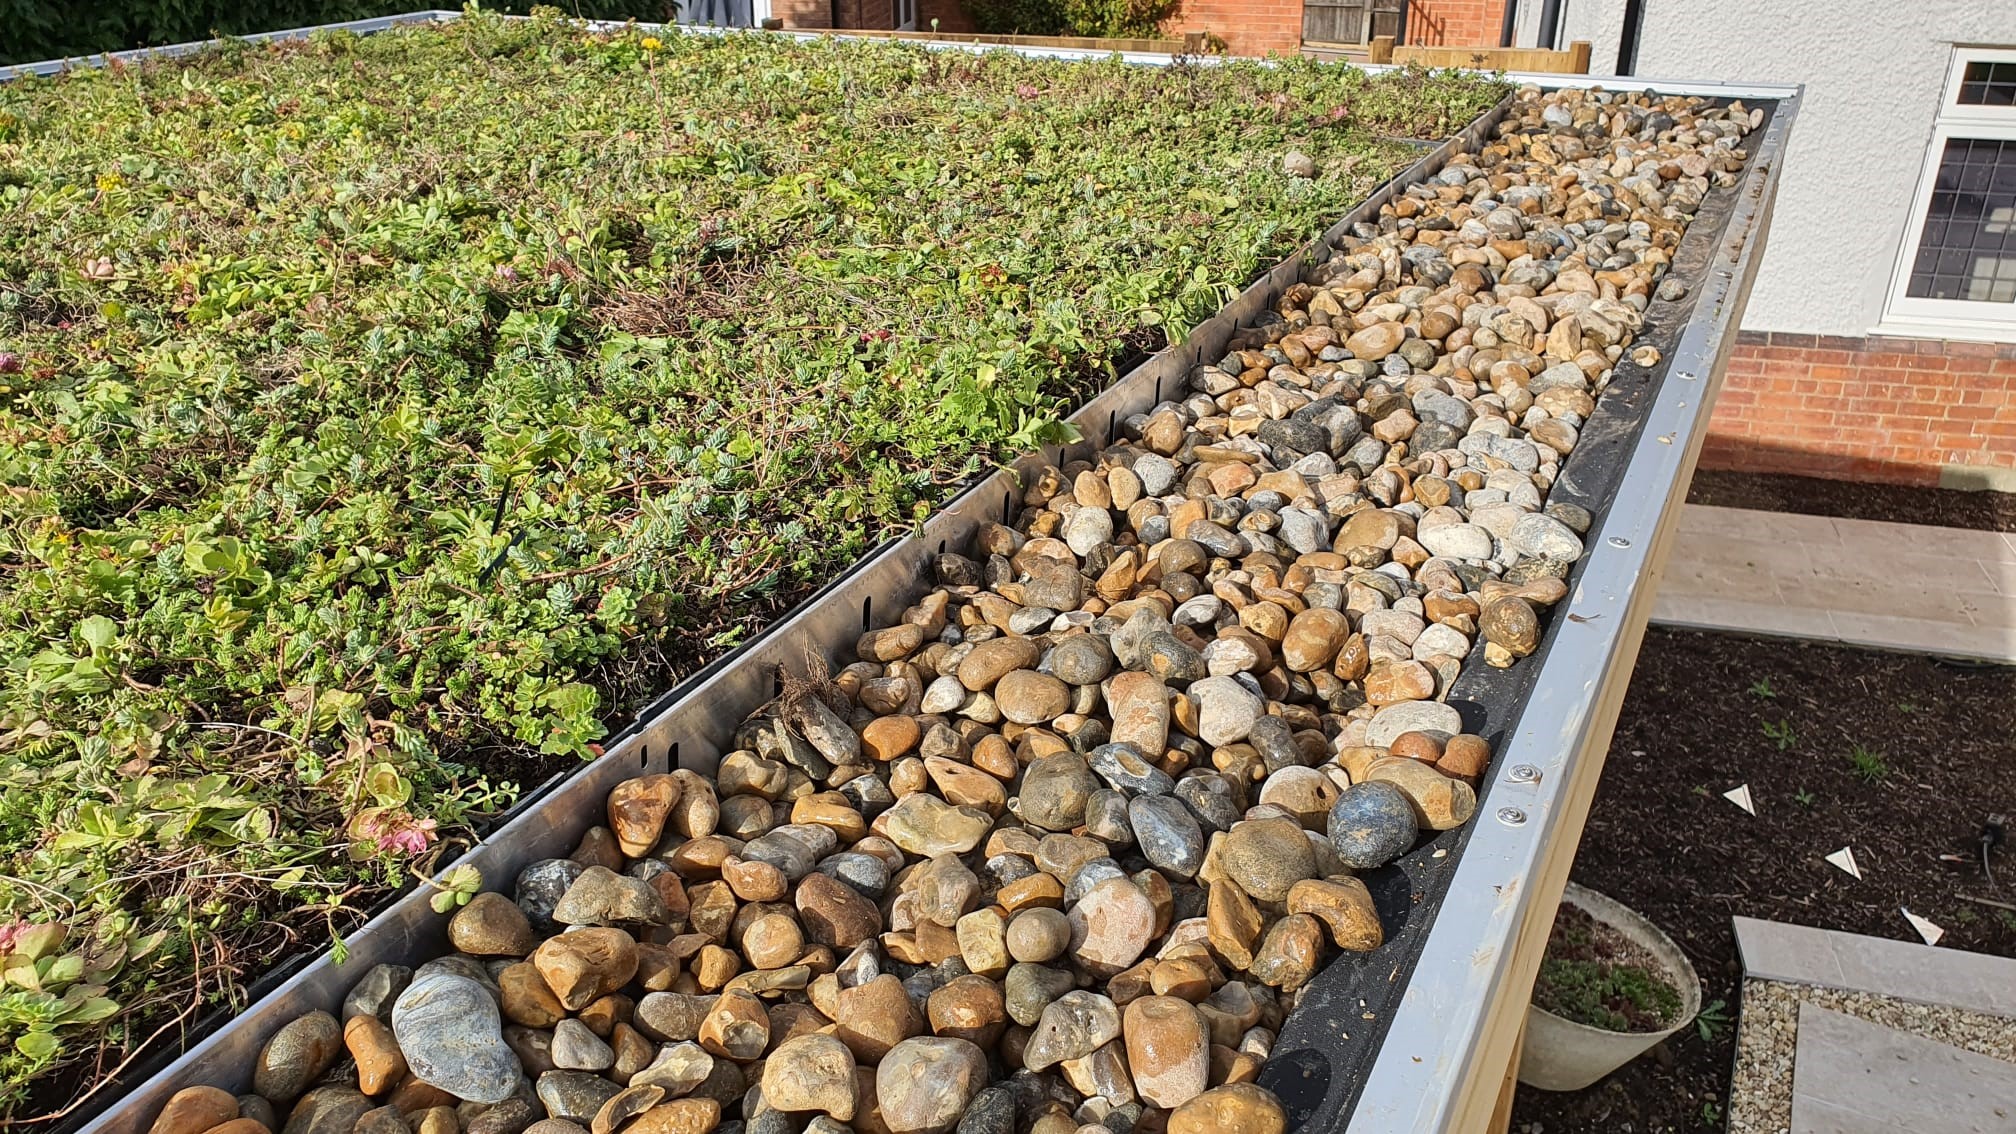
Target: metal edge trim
(1428, 1061)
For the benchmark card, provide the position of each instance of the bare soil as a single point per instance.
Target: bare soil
(1662, 840)
(1896, 503)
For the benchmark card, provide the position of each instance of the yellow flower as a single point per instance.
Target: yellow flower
(107, 182)
(651, 43)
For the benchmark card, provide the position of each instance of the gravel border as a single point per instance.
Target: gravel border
(1760, 1091)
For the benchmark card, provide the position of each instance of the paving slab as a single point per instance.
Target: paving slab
(1904, 970)
(1851, 1076)
(1912, 587)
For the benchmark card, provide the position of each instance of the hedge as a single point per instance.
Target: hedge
(34, 30)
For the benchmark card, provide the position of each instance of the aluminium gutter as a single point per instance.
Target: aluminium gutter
(1470, 985)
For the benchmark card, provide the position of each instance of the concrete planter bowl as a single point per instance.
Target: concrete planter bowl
(1562, 1055)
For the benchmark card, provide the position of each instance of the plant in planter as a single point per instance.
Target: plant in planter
(1610, 987)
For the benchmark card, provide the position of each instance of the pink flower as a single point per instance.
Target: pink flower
(1024, 90)
(10, 932)
(393, 829)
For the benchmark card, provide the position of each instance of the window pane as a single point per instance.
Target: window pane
(1963, 248)
(1987, 83)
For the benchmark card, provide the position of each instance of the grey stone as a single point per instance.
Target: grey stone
(1226, 710)
(600, 896)
(574, 1095)
(1124, 768)
(451, 1033)
(1371, 824)
(1169, 836)
(540, 888)
(575, 1048)
(1030, 988)
(1541, 536)
(375, 993)
(1413, 716)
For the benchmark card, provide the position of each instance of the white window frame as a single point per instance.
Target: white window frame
(905, 12)
(1950, 318)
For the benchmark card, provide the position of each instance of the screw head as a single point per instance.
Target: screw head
(1619, 541)
(1511, 816)
(1523, 774)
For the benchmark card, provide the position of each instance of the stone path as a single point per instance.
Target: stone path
(1878, 1036)
(1853, 1076)
(1949, 591)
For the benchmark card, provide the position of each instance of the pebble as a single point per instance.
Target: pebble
(193, 1110)
(1226, 710)
(380, 1063)
(1267, 856)
(327, 1110)
(1169, 836)
(811, 1073)
(600, 896)
(1074, 1026)
(1236, 1108)
(540, 888)
(297, 1055)
(1168, 1050)
(575, 1048)
(1111, 926)
(450, 1032)
(680, 1116)
(1055, 790)
(923, 1085)
(586, 964)
(1089, 809)
(1038, 935)
(491, 925)
(1371, 824)
(576, 1096)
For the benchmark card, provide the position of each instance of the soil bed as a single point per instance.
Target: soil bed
(1663, 841)
(1895, 503)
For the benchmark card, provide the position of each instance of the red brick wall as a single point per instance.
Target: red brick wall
(1248, 27)
(1455, 23)
(803, 13)
(868, 15)
(1872, 409)
(951, 17)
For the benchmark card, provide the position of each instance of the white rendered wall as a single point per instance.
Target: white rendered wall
(1874, 72)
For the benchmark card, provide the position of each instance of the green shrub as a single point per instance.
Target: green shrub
(34, 30)
(1112, 19)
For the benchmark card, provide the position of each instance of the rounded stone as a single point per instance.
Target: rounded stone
(452, 1036)
(924, 1084)
(1169, 836)
(1028, 697)
(193, 1110)
(1236, 1108)
(1055, 790)
(299, 1053)
(1082, 659)
(811, 1073)
(1267, 856)
(1111, 926)
(1168, 1050)
(1372, 824)
(1038, 934)
(491, 925)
